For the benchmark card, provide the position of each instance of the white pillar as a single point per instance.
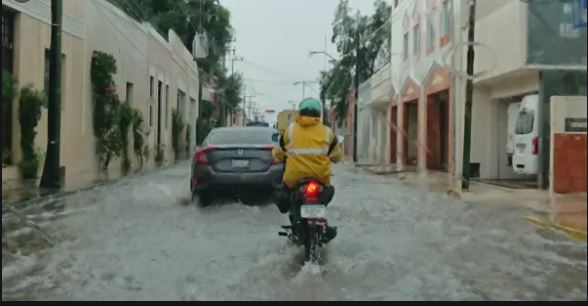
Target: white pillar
(400, 134)
(422, 130)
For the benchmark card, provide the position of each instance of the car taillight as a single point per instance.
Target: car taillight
(200, 156)
(535, 145)
(270, 148)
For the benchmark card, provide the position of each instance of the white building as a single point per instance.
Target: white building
(422, 104)
(537, 51)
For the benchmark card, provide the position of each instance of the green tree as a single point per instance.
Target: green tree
(359, 39)
(233, 91)
(187, 18)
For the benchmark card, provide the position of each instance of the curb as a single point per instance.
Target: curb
(96, 184)
(572, 232)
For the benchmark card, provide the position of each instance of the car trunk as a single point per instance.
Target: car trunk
(240, 158)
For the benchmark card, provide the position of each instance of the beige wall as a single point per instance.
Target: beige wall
(501, 28)
(32, 38)
(139, 52)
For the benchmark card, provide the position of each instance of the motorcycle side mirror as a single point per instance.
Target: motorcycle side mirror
(276, 137)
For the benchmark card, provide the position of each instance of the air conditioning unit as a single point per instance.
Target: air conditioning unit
(200, 46)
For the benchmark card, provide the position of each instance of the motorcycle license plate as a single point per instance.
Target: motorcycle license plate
(312, 211)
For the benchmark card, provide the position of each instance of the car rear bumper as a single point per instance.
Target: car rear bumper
(525, 164)
(205, 177)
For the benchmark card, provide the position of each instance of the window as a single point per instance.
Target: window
(180, 103)
(430, 34)
(166, 104)
(7, 38)
(151, 87)
(416, 41)
(405, 46)
(192, 107)
(524, 123)
(129, 97)
(254, 136)
(446, 26)
(150, 115)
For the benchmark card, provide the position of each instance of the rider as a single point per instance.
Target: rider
(310, 147)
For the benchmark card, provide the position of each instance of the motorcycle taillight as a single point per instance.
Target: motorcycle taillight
(311, 191)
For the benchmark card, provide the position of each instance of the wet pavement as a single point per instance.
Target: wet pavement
(141, 238)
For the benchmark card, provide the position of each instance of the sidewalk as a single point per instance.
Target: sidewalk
(566, 212)
(385, 169)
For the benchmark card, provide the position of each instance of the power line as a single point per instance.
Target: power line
(263, 67)
(288, 83)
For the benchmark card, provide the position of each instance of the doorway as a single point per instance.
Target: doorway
(393, 132)
(410, 132)
(438, 131)
(159, 96)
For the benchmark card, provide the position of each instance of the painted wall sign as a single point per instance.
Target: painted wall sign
(576, 125)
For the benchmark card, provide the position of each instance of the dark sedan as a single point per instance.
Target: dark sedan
(235, 161)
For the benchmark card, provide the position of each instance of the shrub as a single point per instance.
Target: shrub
(106, 112)
(177, 127)
(31, 103)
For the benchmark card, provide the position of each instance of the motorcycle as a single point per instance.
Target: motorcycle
(308, 223)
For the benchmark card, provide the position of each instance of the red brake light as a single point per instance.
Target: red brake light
(311, 189)
(200, 156)
(536, 145)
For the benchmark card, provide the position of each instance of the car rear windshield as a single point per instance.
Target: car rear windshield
(250, 136)
(524, 123)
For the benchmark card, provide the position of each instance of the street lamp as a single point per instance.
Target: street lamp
(304, 84)
(311, 53)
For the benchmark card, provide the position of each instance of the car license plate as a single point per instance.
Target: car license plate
(240, 163)
(312, 211)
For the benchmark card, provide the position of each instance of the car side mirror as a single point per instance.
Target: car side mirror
(276, 137)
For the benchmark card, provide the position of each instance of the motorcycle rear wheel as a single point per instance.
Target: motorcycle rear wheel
(311, 246)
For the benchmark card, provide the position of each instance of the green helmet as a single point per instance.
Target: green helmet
(310, 104)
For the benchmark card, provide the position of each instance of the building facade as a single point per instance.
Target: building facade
(154, 74)
(538, 52)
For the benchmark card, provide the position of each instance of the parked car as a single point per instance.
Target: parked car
(236, 161)
(526, 137)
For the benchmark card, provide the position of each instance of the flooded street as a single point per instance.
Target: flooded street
(141, 239)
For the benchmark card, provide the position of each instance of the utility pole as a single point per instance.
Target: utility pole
(357, 61)
(465, 184)
(51, 172)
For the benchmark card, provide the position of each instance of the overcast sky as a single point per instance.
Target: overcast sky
(274, 38)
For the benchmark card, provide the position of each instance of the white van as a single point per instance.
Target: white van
(512, 114)
(526, 137)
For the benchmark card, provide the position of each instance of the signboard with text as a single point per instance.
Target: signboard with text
(575, 125)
